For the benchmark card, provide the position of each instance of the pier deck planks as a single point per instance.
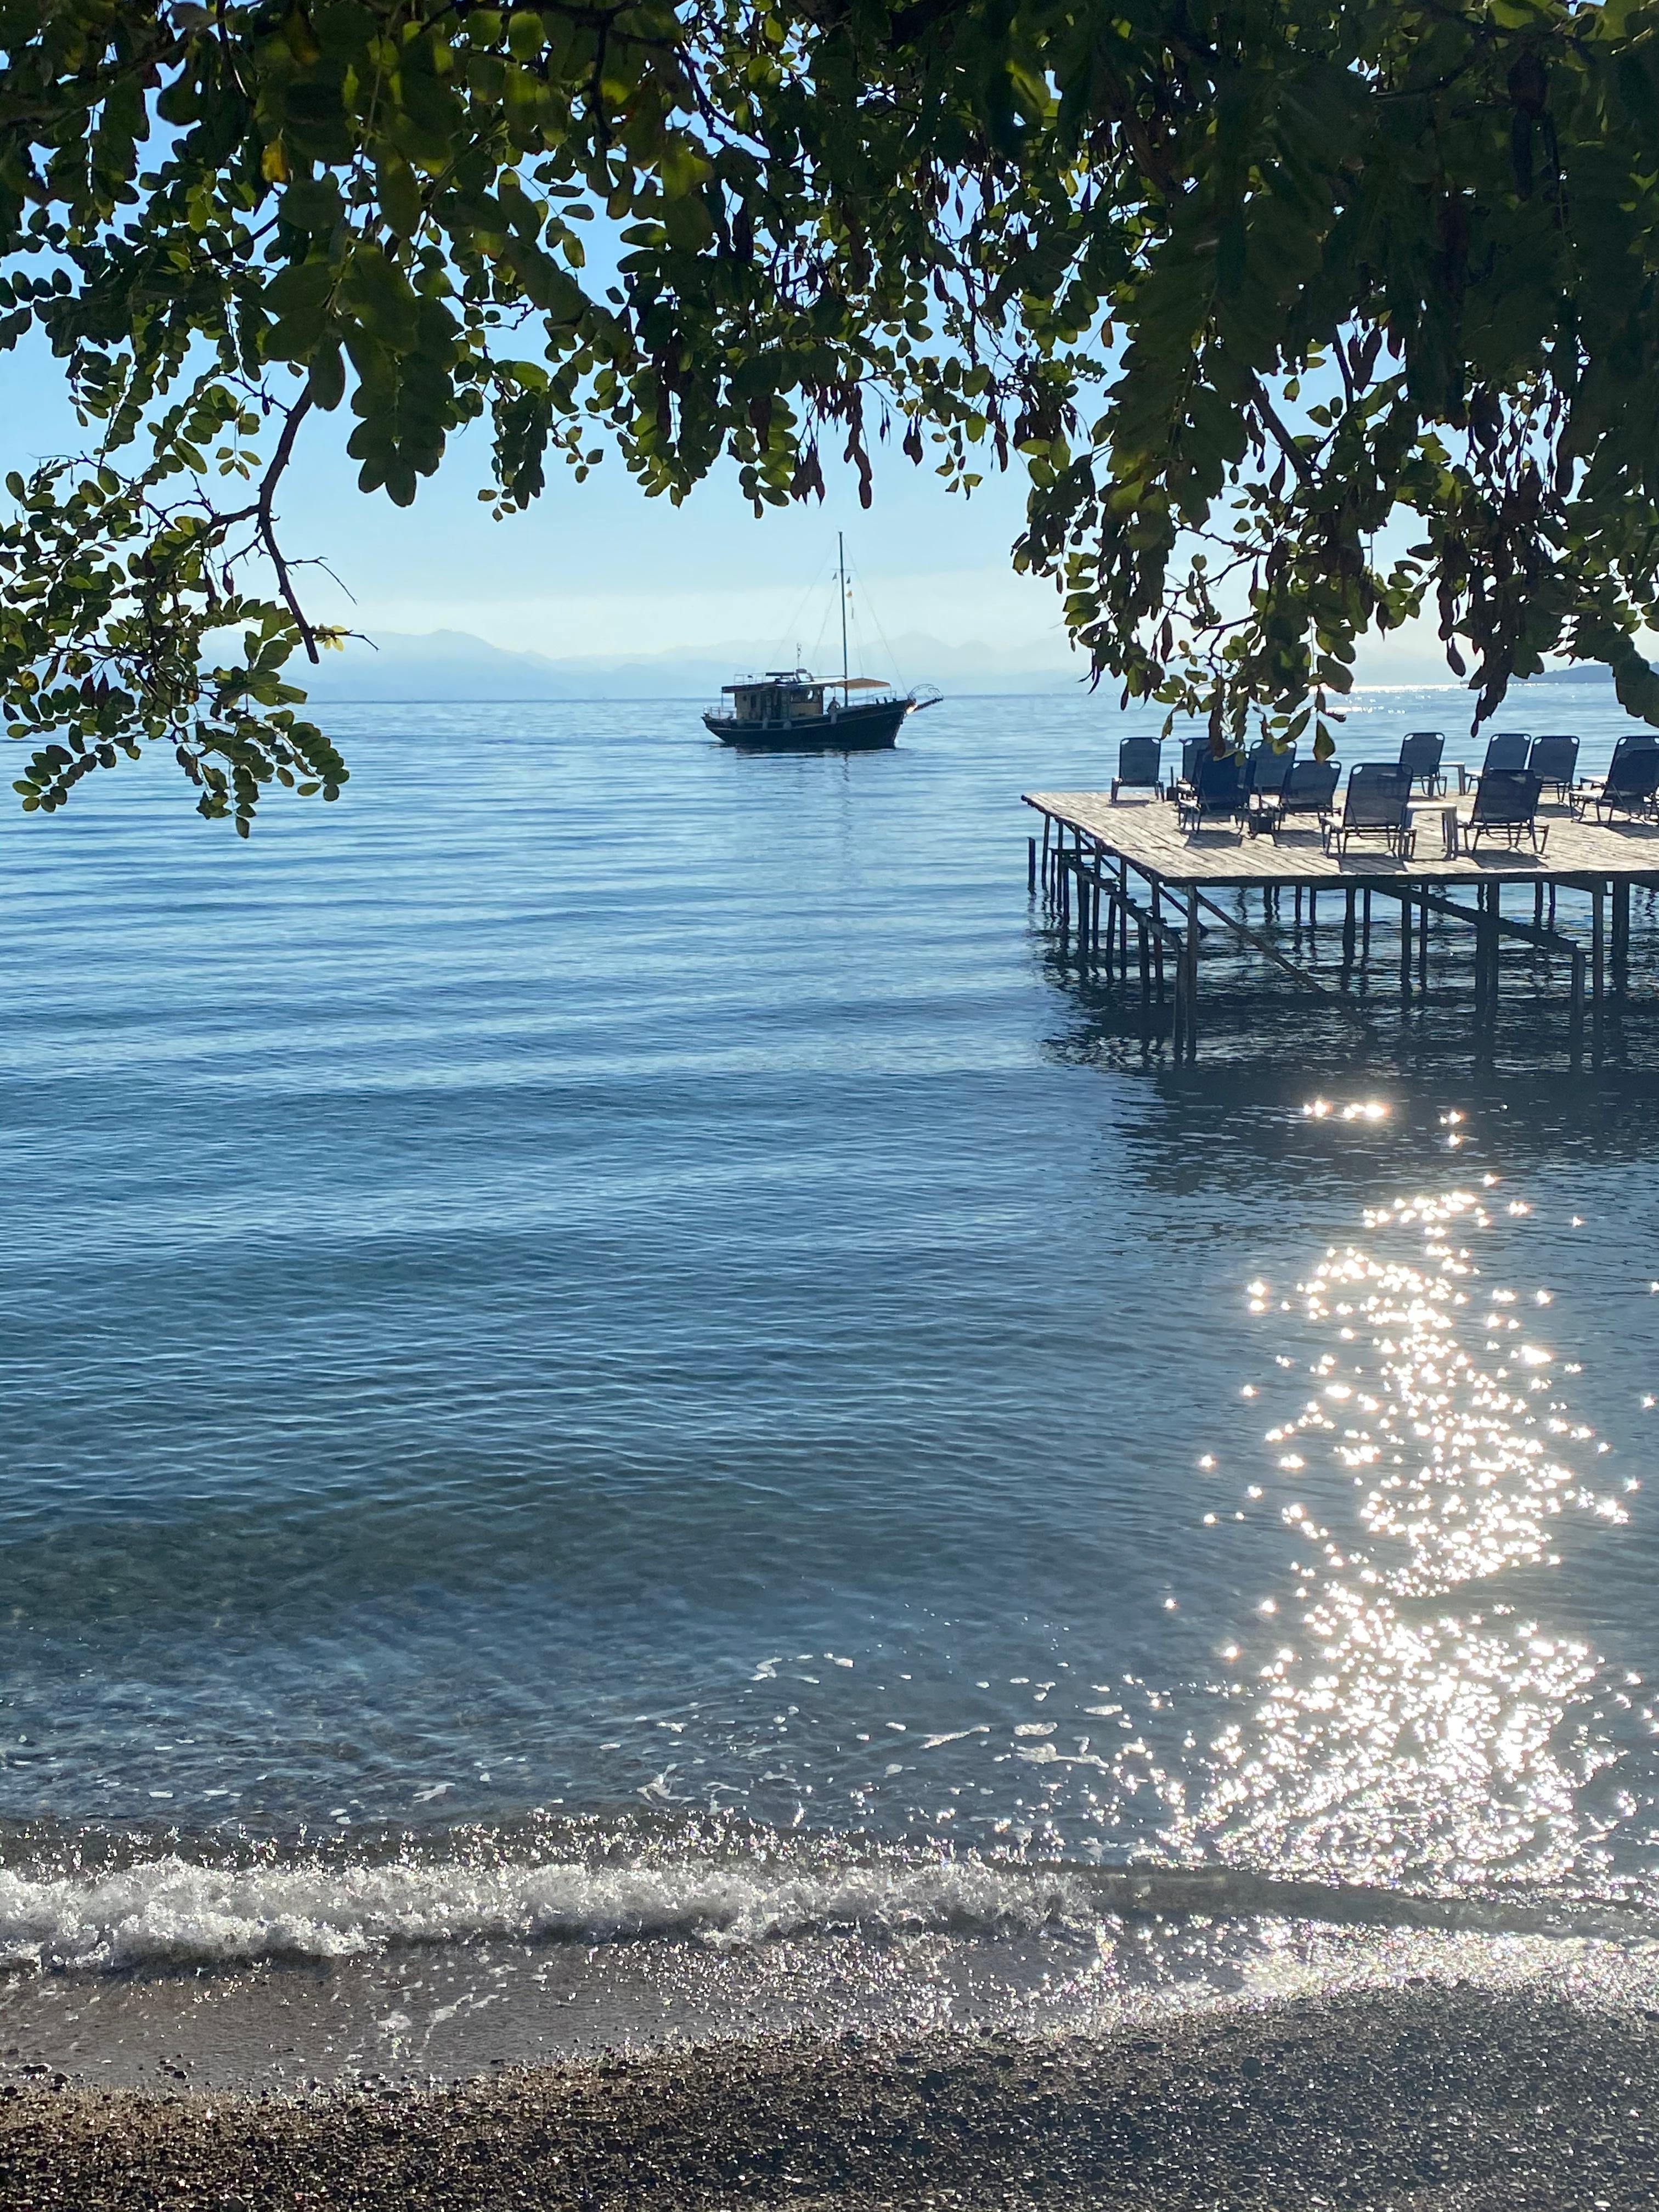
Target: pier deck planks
(1143, 832)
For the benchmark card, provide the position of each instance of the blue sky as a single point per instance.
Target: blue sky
(596, 568)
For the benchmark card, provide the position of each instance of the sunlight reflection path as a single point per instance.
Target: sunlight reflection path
(1403, 1738)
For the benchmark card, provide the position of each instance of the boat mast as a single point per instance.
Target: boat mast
(840, 554)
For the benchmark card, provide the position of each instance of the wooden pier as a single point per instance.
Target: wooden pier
(1132, 888)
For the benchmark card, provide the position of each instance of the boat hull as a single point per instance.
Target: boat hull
(851, 730)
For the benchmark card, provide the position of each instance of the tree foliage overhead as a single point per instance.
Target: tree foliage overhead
(1246, 289)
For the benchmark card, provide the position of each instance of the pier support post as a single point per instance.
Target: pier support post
(1190, 953)
(1123, 918)
(1598, 946)
(1122, 921)
(1365, 934)
(1423, 947)
(1406, 943)
(1347, 927)
(1487, 953)
(1621, 936)
(1031, 866)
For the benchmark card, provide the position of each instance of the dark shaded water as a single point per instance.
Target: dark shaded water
(601, 1278)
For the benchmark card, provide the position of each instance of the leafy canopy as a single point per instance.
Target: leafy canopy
(1244, 288)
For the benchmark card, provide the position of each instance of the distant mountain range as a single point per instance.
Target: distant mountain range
(452, 665)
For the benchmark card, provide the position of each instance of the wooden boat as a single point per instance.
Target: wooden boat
(791, 710)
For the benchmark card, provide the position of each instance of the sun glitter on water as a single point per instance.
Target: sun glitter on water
(1425, 1726)
(1356, 1110)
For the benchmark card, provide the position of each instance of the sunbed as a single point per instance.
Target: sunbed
(1375, 805)
(1139, 766)
(1420, 756)
(1506, 806)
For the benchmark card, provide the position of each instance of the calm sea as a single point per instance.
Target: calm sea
(602, 1305)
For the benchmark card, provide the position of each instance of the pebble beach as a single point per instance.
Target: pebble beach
(1425, 2099)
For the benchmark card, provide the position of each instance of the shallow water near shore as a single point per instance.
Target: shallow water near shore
(610, 1351)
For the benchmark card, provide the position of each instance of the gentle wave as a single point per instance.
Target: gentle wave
(172, 1912)
(169, 1912)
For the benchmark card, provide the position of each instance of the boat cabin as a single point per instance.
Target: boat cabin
(782, 694)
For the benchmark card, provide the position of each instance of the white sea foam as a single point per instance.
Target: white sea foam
(168, 1912)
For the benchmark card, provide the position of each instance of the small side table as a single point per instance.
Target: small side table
(1446, 808)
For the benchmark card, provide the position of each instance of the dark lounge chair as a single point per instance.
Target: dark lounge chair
(1308, 790)
(1554, 761)
(1193, 751)
(1629, 786)
(1265, 770)
(1375, 805)
(1506, 806)
(1420, 756)
(1139, 767)
(1215, 792)
(1505, 749)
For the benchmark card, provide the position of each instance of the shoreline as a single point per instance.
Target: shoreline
(1421, 2099)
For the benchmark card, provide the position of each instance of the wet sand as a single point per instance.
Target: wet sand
(1425, 2099)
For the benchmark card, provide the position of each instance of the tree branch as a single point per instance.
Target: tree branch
(1293, 453)
(279, 461)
